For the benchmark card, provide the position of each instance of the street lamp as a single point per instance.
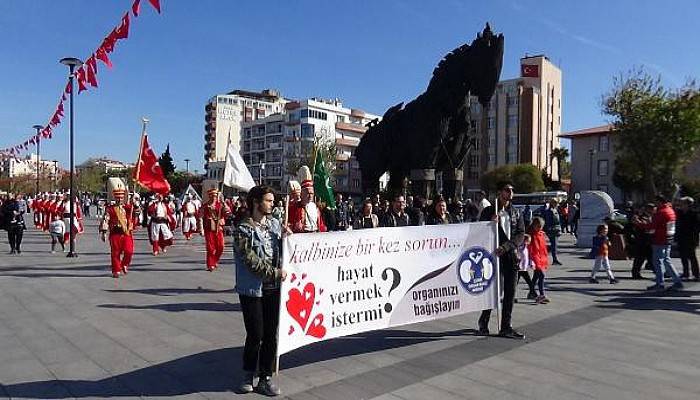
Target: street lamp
(55, 174)
(72, 63)
(187, 163)
(38, 154)
(591, 152)
(260, 173)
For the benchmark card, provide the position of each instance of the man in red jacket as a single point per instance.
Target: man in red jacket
(214, 215)
(663, 226)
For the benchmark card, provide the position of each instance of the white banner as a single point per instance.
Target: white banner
(343, 283)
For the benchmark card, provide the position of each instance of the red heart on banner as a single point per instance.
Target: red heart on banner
(316, 329)
(299, 305)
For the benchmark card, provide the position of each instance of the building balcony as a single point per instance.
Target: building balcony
(210, 107)
(292, 105)
(344, 126)
(274, 146)
(342, 157)
(357, 113)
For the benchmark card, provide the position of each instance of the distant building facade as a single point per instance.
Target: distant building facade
(103, 163)
(521, 124)
(273, 146)
(223, 117)
(12, 167)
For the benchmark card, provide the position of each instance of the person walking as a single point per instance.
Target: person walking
(119, 222)
(600, 248)
(257, 249)
(14, 223)
(537, 250)
(663, 223)
(511, 231)
(640, 246)
(687, 237)
(552, 227)
(526, 266)
(214, 215)
(57, 229)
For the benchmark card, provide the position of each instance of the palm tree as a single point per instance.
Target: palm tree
(561, 154)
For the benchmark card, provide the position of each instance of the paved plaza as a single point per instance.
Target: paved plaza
(170, 329)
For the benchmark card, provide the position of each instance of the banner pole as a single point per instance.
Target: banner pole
(498, 268)
(279, 316)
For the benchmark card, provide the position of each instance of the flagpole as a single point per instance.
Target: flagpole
(138, 158)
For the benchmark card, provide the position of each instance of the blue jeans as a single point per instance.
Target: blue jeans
(661, 255)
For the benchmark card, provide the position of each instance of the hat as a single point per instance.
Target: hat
(118, 192)
(212, 191)
(304, 176)
(294, 187)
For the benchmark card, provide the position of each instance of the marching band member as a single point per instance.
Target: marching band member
(63, 208)
(304, 215)
(189, 217)
(161, 225)
(214, 215)
(119, 223)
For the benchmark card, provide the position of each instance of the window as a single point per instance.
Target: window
(512, 120)
(355, 183)
(307, 130)
(340, 118)
(512, 101)
(603, 143)
(491, 122)
(304, 113)
(602, 167)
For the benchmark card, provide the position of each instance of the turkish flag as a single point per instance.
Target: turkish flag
(92, 71)
(529, 71)
(155, 4)
(148, 172)
(122, 31)
(136, 7)
(102, 56)
(81, 78)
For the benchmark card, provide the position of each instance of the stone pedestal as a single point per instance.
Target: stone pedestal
(595, 207)
(423, 182)
(452, 183)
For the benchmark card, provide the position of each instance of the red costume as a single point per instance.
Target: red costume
(119, 222)
(189, 218)
(62, 210)
(214, 216)
(37, 206)
(162, 223)
(305, 218)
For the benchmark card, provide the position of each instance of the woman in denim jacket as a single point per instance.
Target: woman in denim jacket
(257, 248)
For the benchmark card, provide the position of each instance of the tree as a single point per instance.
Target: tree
(525, 178)
(307, 153)
(166, 163)
(658, 130)
(560, 154)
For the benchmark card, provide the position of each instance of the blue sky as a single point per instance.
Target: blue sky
(371, 54)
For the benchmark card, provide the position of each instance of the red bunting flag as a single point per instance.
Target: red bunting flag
(155, 4)
(81, 78)
(59, 109)
(148, 172)
(109, 42)
(91, 71)
(136, 7)
(102, 56)
(67, 89)
(122, 32)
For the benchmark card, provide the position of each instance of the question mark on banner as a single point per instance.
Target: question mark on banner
(396, 279)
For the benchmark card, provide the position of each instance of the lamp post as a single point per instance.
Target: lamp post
(72, 63)
(591, 152)
(187, 163)
(55, 174)
(38, 155)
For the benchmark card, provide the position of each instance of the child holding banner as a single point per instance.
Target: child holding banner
(257, 249)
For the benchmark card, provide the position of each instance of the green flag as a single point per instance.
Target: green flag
(322, 185)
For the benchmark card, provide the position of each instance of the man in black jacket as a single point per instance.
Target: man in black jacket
(14, 223)
(511, 233)
(688, 237)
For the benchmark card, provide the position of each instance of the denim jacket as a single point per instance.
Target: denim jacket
(256, 263)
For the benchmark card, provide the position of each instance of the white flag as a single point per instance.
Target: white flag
(236, 174)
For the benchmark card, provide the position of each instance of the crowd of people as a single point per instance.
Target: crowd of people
(527, 241)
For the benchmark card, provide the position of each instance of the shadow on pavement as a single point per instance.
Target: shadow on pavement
(179, 307)
(213, 371)
(171, 291)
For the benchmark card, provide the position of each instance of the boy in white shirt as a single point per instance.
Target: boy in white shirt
(57, 228)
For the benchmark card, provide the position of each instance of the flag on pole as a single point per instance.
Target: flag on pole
(322, 185)
(236, 174)
(148, 172)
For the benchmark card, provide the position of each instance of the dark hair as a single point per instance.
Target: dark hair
(396, 196)
(600, 229)
(256, 194)
(660, 198)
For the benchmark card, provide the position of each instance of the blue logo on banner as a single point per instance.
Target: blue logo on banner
(476, 268)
